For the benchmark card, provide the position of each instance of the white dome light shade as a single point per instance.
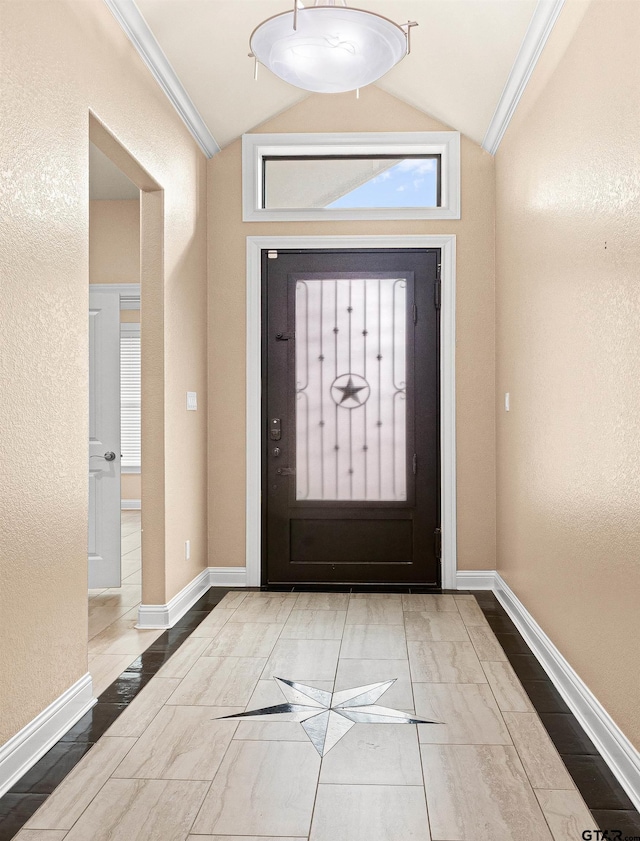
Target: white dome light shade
(333, 50)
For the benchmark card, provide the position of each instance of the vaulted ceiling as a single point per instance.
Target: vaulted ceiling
(466, 55)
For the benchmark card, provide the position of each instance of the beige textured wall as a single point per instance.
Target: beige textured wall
(59, 59)
(568, 351)
(114, 241)
(374, 111)
(130, 486)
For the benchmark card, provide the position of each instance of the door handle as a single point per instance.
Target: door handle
(108, 456)
(286, 471)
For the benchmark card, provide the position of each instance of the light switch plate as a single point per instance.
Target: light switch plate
(192, 401)
(507, 401)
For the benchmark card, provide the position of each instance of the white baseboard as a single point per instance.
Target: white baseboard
(130, 504)
(24, 749)
(617, 751)
(166, 615)
(228, 576)
(475, 579)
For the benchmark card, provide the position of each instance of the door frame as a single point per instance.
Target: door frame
(152, 296)
(255, 245)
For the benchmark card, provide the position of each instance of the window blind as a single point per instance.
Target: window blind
(130, 400)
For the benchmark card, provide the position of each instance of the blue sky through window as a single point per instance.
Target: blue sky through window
(412, 182)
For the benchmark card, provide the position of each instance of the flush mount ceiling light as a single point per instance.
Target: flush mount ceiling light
(329, 48)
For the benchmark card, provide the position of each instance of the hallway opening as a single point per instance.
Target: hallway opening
(117, 265)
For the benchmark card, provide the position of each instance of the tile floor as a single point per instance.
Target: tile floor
(168, 769)
(114, 641)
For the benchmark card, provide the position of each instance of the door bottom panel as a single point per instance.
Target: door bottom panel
(351, 541)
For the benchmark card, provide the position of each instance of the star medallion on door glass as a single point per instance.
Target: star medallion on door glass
(350, 391)
(325, 716)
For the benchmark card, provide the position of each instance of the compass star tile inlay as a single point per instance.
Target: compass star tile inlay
(328, 716)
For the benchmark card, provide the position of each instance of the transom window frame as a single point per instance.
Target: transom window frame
(257, 147)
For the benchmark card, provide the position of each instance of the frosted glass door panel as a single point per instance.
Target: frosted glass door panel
(351, 389)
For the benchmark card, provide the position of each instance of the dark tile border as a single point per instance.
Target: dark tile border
(15, 811)
(607, 800)
(603, 794)
(358, 588)
(30, 792)
(627, 823)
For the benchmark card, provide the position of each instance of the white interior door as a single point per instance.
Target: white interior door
(104, 439)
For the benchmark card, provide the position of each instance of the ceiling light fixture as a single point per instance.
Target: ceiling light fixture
(329, 48)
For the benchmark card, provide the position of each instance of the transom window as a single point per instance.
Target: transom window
(354, 182)
(351, 176)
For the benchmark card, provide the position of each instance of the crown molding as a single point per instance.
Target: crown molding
(137, 30)
(542, 22)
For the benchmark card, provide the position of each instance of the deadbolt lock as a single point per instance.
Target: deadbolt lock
(275, 432)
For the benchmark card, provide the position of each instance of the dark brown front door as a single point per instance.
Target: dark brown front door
(351, 459)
